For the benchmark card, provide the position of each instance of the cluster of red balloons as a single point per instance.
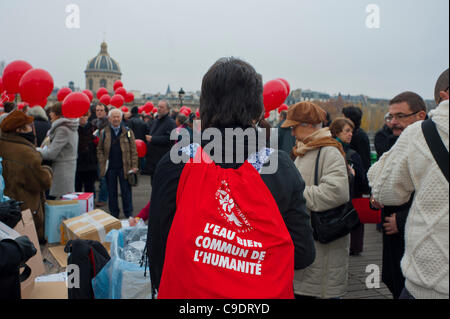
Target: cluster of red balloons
(147, 108)
(33, 85)
(275, 93)
(120, 96)
(185, 110)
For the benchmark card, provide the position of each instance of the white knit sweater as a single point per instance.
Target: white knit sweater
(409, 166)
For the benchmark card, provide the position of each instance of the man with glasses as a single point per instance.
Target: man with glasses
(412, 167)
(404, 110)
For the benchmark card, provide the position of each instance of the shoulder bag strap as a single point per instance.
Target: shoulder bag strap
(316, 170)
(436, 146)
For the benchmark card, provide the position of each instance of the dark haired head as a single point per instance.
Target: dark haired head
(134, 110)
(442, 85)
(415, 102)
(354, 114)
(57, 109)
(9, 106)
(231, 95)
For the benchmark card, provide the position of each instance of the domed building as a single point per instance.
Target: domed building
(102, 71)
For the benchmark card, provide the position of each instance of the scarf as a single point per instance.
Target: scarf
(317, 140)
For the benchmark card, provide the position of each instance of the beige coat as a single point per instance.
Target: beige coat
(327, 276)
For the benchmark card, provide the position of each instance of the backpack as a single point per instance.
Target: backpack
(228, 238)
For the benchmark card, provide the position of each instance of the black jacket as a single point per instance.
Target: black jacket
(286, 141)
(10, 257)
(361, 144)
(138, 126)
(90, 256)
(286, 186)
(41, 126)
(384, 140)
(160, 143)
(87, 154)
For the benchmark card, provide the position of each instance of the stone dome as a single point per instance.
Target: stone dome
(103, 62)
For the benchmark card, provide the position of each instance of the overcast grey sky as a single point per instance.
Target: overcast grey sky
(322, 45)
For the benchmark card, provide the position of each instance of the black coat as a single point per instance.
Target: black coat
(286, 141)
(87, 153)
(10, 257)
(160, 143)
(286, 187)
(42, 126)
(361, 144)
(90, 256)
(138, 126)
(384, 140)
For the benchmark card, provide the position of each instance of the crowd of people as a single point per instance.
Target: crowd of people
(229, 229)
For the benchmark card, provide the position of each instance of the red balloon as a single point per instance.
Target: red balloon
(121, 91)
(140, 109)
(267, 115)
(148, 107)
(197, 113)
(141, 148)
(105, 99)
(286, 83)
(274, 94)
(41, 103)
(35, 85)
(117, 100)
(129, 97)
(62, 93)
(89, 94)
(101, 92)
(124, 109)
(1, 85)
(12, 74)
(155, 109)
(117, 84)
(75, 105)
(283, 107)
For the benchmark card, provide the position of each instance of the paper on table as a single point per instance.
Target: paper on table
(62, 276)
(7, 232)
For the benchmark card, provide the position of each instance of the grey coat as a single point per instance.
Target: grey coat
(62, 151)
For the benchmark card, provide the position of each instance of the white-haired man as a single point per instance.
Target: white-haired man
(117, 156)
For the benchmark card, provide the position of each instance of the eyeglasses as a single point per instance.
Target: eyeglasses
(399, 116)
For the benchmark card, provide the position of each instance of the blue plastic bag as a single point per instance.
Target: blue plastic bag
(121, 279)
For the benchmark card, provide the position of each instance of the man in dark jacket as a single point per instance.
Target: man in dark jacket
(360, 141)
(158, 140)
(87, 157)
(137, 125)
(41, 123)
(384, 138)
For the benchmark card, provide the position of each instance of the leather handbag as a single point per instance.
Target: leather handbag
(334, 223)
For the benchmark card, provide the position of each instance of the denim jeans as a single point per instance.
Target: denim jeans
(112, 176)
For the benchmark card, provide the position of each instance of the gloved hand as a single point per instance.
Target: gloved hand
(26, 248)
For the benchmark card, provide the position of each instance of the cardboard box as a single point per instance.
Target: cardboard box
(86, 201)
(59, 254)
(55, 212)
(49, 290)
(93, 225)
(26, 227)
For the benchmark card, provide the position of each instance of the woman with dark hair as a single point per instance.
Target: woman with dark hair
(341, 129)
(360, 141)
(222, 204)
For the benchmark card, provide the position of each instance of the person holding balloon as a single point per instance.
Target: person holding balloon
(62, 151)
